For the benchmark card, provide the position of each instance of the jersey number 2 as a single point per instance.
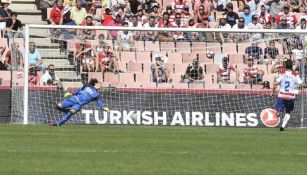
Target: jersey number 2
(287, 85)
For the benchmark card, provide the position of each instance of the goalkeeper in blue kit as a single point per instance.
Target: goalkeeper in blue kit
(75, 100)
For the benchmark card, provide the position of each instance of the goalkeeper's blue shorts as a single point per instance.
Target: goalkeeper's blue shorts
(284, 105)
(71, 103)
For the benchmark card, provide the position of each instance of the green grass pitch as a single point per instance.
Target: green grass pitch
(121, 150)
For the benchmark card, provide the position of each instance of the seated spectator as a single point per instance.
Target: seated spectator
(90, 7)
(231, 16)
(224, 70)
(276, 6)
(35, 59)
(50, 78)
(107, 17)
(78, 13)
(33, 78)
(117, 21)
(106, 61)
(87, 34)
(117, 5)
(288, 16)
(255, 25)
(5, 16)
(201, 13)
(147, 6)
(186, 16)
(264, 17)
(14, 58)
(247, 15)
(171, 12)
(302, 24)
(44, 5)
(150, 35)
(206, 4)
(178, 36)
(237, 37)
(221, 5)
(66, 34)
(69, 3)
(255, 51)
(204, 36)
(156, 13)
(222, 37)
(252, 74)
(194, 73)
(101, 43)
(255, 6)
(56, 13)
(125, 39)
(178, 5)
(141, 17)
(14, 27)
(160, 72)
(85, 54)
(296, 6)
(165, 36)
(270, 52)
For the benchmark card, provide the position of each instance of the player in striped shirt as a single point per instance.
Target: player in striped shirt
(286, 95)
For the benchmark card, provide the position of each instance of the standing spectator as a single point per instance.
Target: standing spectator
(78, 13)
(50, 78)
(56, 13)
(44, 5)
(247, 15)
(252, 74)
(14, 58)
(254, 51)
(231, 16)
(150, 35)
(194, 73)
(35, 59)
(85, 34)
(271, 51)
(33, 78)
(125, 39)
(224, 70)
(160, 72)
(276, 7)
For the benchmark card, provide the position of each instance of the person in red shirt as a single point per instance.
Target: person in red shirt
(87, 34)
(252, 74)
(56, 13)
(165, 23)
(33, 77)
(106, 61)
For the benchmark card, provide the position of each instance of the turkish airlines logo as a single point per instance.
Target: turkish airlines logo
(269, 117)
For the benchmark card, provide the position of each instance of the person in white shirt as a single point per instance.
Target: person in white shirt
(255, 25)
(49, 78)
(287, 81)
(125, 39)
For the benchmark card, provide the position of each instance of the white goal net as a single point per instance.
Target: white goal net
(206, 77)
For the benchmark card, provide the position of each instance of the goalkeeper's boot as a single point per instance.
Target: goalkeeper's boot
(53, 124)
(281, 129)
(56, 106)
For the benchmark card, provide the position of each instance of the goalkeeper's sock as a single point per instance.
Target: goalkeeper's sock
(65, 118)
(285, 121)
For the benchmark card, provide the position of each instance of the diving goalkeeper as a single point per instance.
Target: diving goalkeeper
(75, 100)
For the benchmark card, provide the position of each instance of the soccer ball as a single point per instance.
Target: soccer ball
(210, 54)
(269, 117)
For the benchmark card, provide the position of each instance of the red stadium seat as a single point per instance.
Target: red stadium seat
(152, 46)
(210, 68)
(127, 57)
(134, 67)
(242, 47)
(139, 46)
(188, 57)
(174, 57)
(142, 77)
(111, 77)
(180, 85)
(97, 75)
(215, 47)
(127, 78)
(143, 57)
(164, 86)
(167, 47)
(197, 85)
(229, 48)
(183, 47)
(199, 47)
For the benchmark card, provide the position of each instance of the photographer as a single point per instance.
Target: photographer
(50, 78)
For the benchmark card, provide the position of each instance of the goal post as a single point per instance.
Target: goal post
(134, 98)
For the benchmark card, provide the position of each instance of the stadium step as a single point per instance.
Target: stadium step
(34, 33)
(23, 6)
(50, 52)
(56, 62)
(65, 74)
(72, 84)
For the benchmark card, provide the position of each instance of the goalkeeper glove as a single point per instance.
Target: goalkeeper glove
(67, 95)
(106, 109)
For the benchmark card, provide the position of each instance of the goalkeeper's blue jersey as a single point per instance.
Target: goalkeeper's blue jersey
(87, 94)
